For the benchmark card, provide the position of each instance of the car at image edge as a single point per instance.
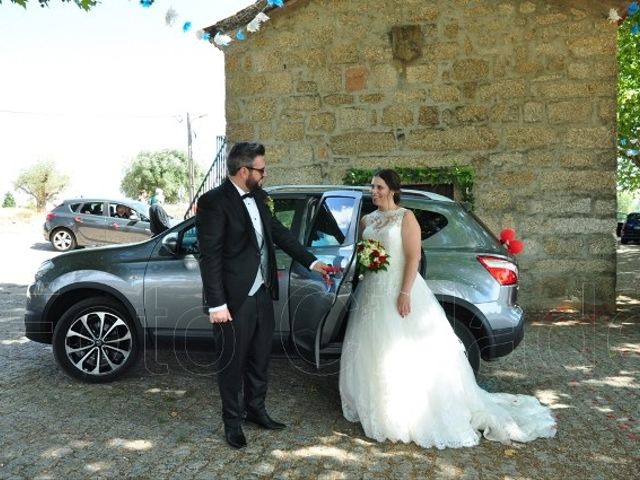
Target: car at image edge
(630, 231)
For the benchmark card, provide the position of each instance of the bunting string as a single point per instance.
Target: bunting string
(631, 12)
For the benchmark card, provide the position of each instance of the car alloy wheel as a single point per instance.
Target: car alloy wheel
(63, 240)
(95, 341)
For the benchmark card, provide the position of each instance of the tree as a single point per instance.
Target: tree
(628, 105)
(42, 181)
(167, 169)
(9, 201)
(83, 4)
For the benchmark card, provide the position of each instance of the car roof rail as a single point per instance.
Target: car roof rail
(359, 188)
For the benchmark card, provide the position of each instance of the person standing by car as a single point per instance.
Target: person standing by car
(236, 231)
(157, 197)
(159, 219)
(398, 324)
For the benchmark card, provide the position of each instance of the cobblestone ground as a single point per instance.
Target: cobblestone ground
(162, 420)
(155, 424)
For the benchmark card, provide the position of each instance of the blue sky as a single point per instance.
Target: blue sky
(89, 90)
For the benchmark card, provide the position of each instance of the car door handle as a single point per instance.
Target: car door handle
(115, 226)
(78, 220)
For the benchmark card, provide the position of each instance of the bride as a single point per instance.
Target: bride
(404, 374)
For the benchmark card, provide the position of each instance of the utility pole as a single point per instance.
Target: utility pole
(192, 188)
(191, 165)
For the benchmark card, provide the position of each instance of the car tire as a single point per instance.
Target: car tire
(63, 239)
(469, 341)
(96, 340)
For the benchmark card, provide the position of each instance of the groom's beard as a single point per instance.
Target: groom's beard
(252, 184)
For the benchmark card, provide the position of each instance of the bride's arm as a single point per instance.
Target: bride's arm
(411, 248)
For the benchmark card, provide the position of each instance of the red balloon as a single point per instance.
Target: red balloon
(507, 234)
(515, 247)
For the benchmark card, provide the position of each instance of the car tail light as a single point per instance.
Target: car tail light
(51, 216)
(504, 271)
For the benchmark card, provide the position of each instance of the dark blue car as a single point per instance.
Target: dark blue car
(631, 228)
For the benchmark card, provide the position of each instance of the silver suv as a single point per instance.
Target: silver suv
(96, 221)
(100, 307)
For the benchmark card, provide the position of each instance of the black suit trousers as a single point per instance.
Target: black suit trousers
(243, 347)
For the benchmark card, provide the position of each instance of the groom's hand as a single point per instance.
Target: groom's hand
(221, 316)
(321, 268)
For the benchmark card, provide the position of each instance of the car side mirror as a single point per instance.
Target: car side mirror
(170, 243)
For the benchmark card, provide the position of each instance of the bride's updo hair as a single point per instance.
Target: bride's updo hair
(392, 179)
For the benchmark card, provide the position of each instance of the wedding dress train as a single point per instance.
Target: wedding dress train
(408, 379)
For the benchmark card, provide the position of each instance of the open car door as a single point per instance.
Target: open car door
(317, 308)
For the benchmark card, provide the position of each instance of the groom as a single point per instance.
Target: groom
(236, 233)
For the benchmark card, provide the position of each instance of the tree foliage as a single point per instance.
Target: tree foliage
(42, 181)
(167, 169)
(9, 201)
(628, 106)
(85, 5)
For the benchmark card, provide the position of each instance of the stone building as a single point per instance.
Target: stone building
(524, 92)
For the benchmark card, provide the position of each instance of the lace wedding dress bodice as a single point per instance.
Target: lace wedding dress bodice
(386, 228)
(408, 379)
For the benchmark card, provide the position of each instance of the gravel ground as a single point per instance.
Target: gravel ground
(162, 420)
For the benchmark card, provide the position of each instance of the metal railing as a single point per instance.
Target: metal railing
(214, 177)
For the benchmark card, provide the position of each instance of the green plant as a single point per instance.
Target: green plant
(628, 111)
(42, 181)
(462, 177)
(9, 201)
(167, 169)
(83, 4)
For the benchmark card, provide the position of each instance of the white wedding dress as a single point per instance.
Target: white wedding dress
(408, 379)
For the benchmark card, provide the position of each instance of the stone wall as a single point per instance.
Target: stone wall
(523, 91)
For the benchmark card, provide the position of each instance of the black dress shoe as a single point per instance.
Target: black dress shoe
(235, 436)
(264, 420)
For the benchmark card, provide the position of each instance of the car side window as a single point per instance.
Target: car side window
(332, 222)
(74, 206)
(92, 208)
(289, 212)
(430, 222)
(189, 242)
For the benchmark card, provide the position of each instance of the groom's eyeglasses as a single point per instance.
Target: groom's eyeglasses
(261, 170)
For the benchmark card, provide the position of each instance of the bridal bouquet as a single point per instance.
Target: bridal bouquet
(371, 256)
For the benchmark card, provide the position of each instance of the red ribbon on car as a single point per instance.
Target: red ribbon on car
(508, 239)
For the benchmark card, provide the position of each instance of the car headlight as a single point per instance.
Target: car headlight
(43, 268)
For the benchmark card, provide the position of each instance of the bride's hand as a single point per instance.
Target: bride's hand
(404, 304)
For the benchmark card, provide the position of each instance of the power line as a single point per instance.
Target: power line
(74, 114)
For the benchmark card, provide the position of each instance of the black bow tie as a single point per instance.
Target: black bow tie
(250, 194)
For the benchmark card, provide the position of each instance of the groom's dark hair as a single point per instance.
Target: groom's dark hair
(392, 179)
(243, 154)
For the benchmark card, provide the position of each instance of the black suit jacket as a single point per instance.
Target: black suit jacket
(229, 251)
